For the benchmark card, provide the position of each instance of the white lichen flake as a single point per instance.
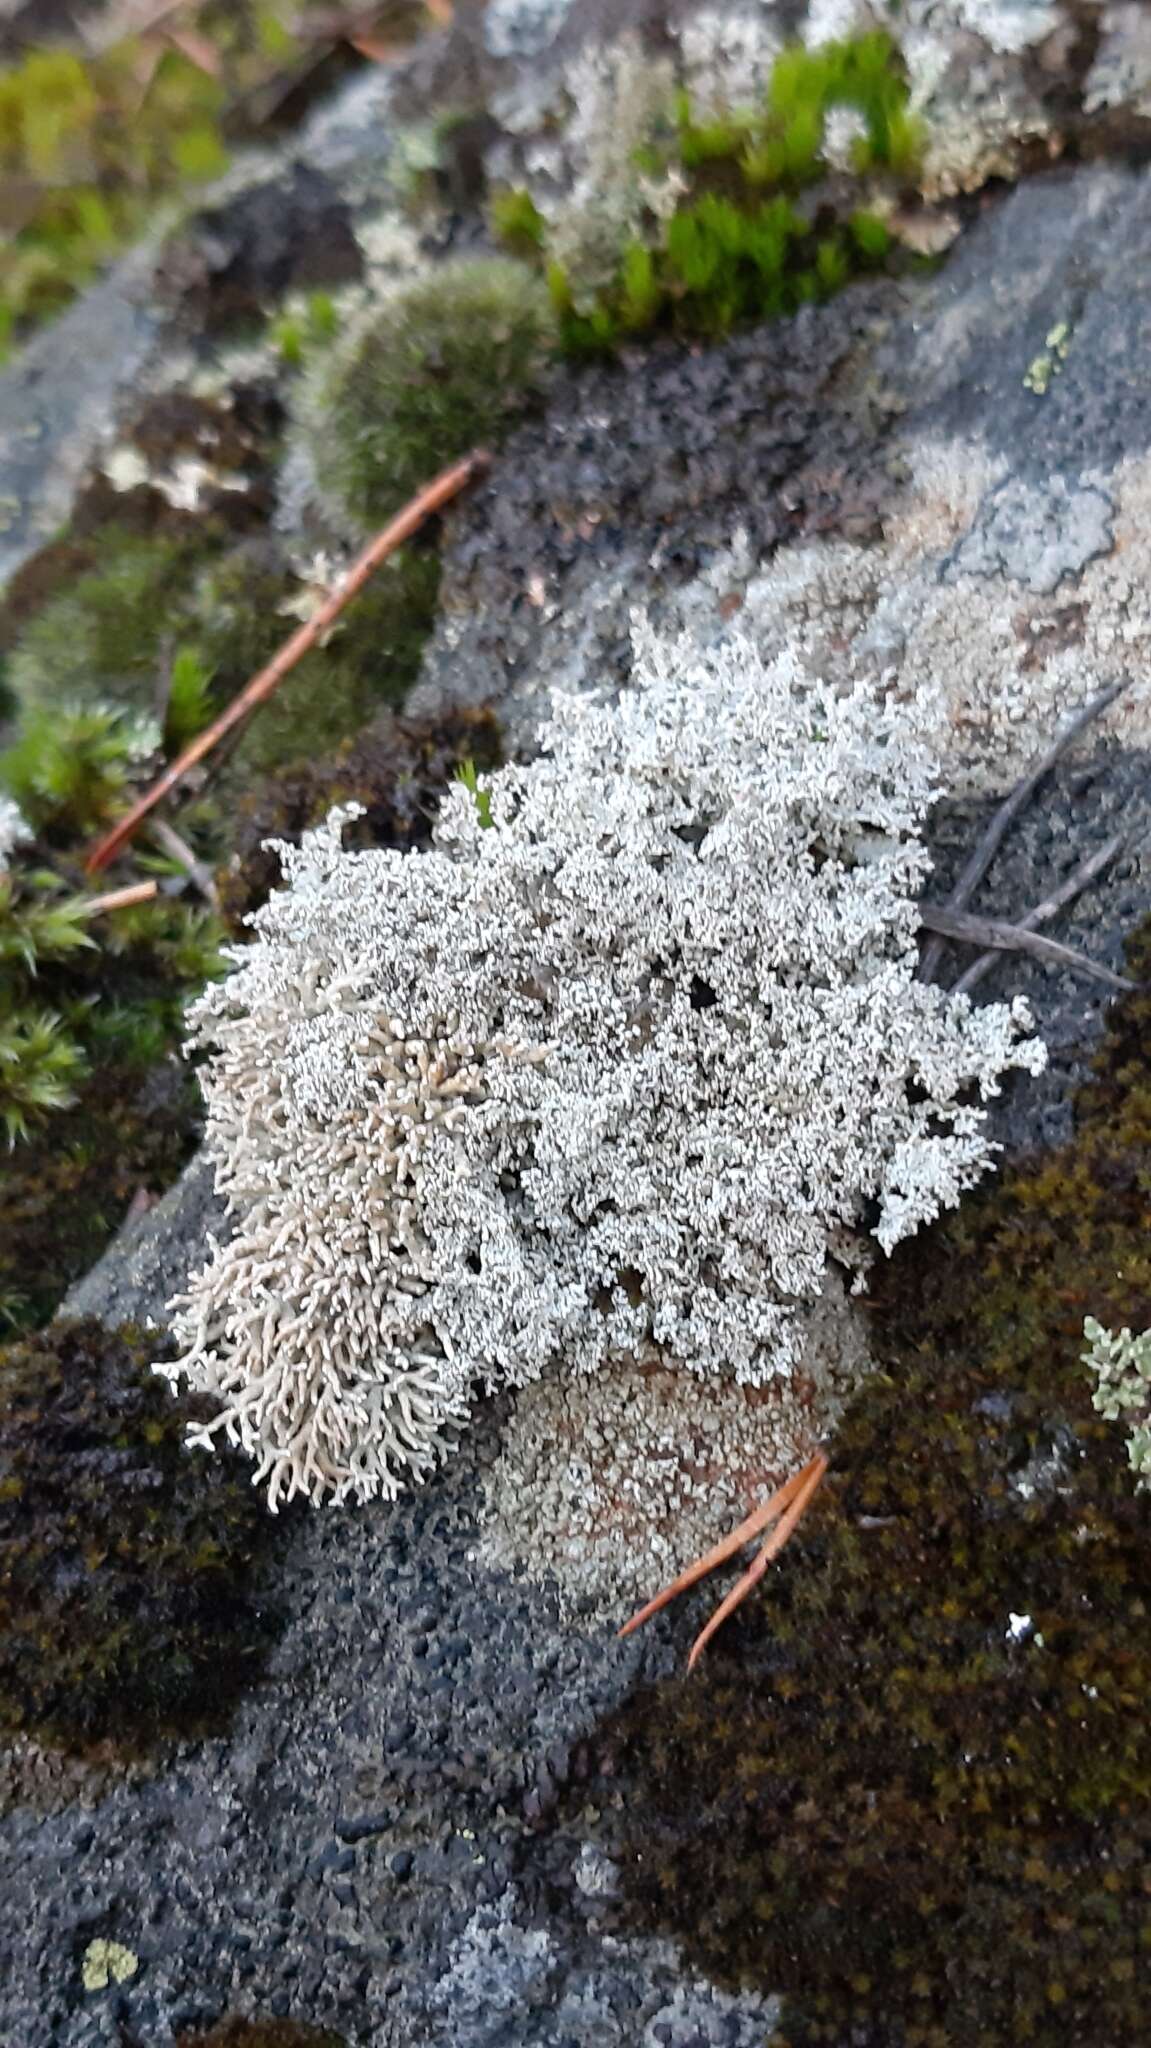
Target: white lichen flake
(14, 831)
(620, 1080)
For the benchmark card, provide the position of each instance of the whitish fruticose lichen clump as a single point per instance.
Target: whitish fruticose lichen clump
(1122, 1365)
(620, 1077)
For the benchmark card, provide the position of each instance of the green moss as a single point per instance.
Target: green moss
(242, 2033)
(78, 992)
(303, 327)
(170, 631)
(441, 368)
(104, 1109)
(395, 769)
(129, 1612)
(912, 1788)
(746, 241)
(40, 1062)
(104, 638)
(70, 769)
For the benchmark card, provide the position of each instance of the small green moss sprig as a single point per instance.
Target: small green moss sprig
(468, 775)
(70, 767)
(40, 1060)
(393, 771)
(305, 327)
(128, 1607)
(744, 242)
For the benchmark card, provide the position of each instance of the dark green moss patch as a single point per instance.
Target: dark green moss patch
(372, 658)
(443, 366)
(66, 1190)
(123, 631)
(129, 1612)
(240, 2033)
(912, 1788)
(102, 638)
(396, 769)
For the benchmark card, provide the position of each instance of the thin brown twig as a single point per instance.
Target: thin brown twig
(1013, 938)
(434, 495)
(179, 850)
(1076, 882)
(982, 855)
(121, 899)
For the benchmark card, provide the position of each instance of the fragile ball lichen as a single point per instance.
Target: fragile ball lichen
(440, 368)
(912, 1790)
(127, 1606)
(627, 1065)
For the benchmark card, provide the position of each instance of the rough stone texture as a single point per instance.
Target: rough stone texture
(1035, 535)
(636, 479)
(375, 1845)
(148, 1263)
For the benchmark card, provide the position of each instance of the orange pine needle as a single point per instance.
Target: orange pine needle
(121, 899)
(434, 495)
(786, 1508)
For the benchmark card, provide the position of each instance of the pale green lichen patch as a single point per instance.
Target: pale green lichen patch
(1122, 1366)
(107, 1962)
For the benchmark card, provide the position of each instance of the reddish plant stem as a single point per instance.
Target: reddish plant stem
(420, 508)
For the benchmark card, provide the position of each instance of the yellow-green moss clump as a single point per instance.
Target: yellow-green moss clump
(129, 1610)
(912, 1789)
(89, 143)
(745, 218)
(440, 368)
